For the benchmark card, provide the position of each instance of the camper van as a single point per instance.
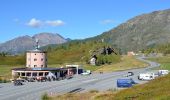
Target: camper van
(163, 72)
(146, 76)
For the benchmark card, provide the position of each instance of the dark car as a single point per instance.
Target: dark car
(130, 73)
(31, 80)
(17, 82)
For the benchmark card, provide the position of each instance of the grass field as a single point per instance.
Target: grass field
(5, 70)
(164, 61)
(127, 62)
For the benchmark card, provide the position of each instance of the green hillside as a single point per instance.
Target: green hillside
(12, 60)
(164, 49)
(76, 52)
(165, 62)
(71, 52)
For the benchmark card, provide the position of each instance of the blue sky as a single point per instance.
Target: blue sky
(75, 19)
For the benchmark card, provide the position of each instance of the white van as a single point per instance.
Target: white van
(146, 76)
(163, 72)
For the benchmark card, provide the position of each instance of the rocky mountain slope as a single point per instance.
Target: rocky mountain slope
(23, 43)
(140, 32)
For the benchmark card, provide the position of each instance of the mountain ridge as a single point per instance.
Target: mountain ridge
(140, 32)
(22, 43)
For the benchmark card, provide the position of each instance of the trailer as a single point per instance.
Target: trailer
(163, 72)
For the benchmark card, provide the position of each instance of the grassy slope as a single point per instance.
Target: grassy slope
(126, 63)
(165, 62)
(9, 62)
(73, 52)
(12, 60)
(67, 53)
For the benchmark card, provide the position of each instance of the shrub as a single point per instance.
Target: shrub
(3, 80)
(45, 97)
(107, 59)
(93, 91)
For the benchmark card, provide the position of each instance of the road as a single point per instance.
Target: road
(79, 83)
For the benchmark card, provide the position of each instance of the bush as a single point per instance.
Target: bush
(107, 59)
(45, 97)
(3, 80)
(93, 91)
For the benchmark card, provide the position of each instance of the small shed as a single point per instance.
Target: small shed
(93, 61)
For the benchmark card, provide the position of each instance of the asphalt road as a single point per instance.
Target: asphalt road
(79, 83)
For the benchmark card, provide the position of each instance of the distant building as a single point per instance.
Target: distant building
(131, 53)
(93, 61)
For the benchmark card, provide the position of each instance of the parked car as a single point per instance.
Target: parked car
(31, 80)
(41, 79)
(129, 74)
(17, 83)
(87, 72)
(125, 82)
(22, 80)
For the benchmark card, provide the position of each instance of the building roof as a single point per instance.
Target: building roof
(35, 69)
(39, 69)
(36, 51)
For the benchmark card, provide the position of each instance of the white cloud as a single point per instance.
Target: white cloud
(39, 23)
(54, 22)
(107, 21)
(35, 23)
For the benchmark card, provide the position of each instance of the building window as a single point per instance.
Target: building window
(34, 74)
(46, 73)
(22, 74)
(42, 59)
(35, 54)
(35, 59)
(28, 65)
(28, 74)
(29, 59)
(41, 65)
(35, 65)
(42, 54)
(41, 74)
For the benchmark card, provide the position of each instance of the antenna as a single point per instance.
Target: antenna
(37, 41)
